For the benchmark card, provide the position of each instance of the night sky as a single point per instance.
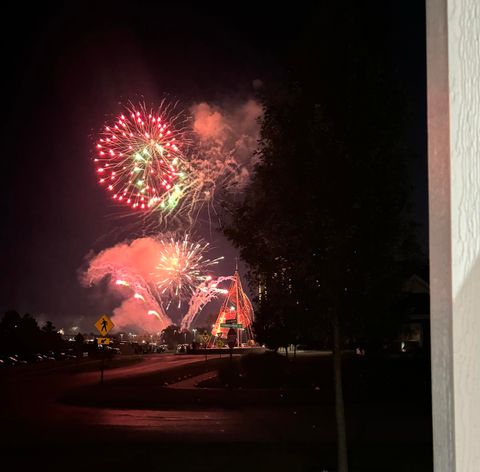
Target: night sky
(67, 68)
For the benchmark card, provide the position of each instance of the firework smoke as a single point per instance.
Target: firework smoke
(181, 268)
(227, 137)
(205, 293)
(170, 167)
(127, 268)
(221, 158)
(148, 274)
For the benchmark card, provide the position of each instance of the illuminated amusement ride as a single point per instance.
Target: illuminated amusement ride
(236, 313)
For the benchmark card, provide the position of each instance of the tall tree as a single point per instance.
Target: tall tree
(10, 327)
(324, 223)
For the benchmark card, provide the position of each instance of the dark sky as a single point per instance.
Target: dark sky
(67, 67)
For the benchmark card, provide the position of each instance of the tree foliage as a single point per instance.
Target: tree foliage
(172, 336)
(324, 226)
(22, 335)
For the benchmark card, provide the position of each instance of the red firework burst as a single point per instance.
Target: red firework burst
(139, 157)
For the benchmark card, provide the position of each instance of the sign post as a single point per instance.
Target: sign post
(219, 343)
(104, 324)
(205, 339)
(231, 340)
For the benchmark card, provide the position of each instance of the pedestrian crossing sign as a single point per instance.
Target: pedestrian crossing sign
(104, 325)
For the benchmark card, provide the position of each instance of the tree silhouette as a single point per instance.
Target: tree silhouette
(48, 327)
(10, 328)
(22, 335)
(324, 226)
(173, 336)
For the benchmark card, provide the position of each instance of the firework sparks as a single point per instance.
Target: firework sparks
(151, 273)
(205, 293)
(182, 267)
(220, 160)
(139, 157)
(171, 165)
(154, 313)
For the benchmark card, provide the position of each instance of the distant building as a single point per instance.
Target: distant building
(416, 305)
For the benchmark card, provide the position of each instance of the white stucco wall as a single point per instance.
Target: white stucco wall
(453, 71)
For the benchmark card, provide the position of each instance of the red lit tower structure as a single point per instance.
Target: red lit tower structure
(237, 311)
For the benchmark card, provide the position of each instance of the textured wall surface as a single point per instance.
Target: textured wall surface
(453, 64)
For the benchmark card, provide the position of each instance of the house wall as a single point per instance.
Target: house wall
(453, 78)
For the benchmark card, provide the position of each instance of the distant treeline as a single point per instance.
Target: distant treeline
(22, 335)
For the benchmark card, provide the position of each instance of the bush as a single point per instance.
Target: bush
(269, 369)
(255, 370)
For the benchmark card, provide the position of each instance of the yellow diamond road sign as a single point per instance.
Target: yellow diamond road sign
(103, 340)
(104, 325)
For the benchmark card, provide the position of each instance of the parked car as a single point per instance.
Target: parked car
(19, 359)
(70, 354)
(32, 358)
(60, 356)
(48, 357)
(10, 360)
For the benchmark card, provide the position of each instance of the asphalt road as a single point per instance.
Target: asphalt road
(37, 429)
(29, 394)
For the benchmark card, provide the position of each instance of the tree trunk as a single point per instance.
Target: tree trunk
(342, 458)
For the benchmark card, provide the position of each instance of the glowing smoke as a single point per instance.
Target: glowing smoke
(205, 293)
(132, 272)
(228, 137)
(128, 267)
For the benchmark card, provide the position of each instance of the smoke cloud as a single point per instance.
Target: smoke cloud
(228, 134)
(129, 269)
(138, 275)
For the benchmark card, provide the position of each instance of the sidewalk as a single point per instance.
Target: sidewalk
(192, 382)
